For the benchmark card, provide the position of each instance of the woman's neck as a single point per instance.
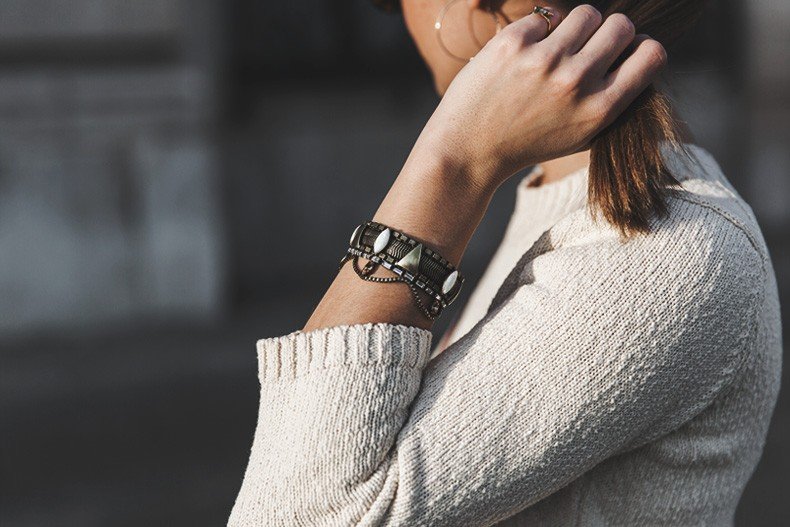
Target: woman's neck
(557, 169)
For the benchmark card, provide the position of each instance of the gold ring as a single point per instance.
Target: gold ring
(546, 14)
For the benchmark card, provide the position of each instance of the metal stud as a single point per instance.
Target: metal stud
(411, 262)
(381, 241)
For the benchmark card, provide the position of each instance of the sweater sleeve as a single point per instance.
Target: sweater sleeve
(598, 347)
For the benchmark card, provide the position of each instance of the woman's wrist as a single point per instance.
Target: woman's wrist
(432, 200)
(459, 158)
(437, 198)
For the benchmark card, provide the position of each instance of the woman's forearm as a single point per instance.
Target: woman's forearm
(526, 98)
(434, 199)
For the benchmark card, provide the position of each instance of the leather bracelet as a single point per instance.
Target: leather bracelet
(420, 267)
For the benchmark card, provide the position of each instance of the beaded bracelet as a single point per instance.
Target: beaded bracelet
(414, 264)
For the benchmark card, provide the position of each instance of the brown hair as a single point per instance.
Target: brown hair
(628, 178)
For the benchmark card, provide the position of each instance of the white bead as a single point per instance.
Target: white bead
(449, 282)
(381, 241)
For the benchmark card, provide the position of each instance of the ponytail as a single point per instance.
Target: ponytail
(628, 178)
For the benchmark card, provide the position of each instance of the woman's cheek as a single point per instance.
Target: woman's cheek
(420, 17)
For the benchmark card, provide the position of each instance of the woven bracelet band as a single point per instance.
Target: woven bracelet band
(421, 268)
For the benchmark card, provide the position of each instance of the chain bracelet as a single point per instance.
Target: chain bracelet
(432, 314)
(419, 267)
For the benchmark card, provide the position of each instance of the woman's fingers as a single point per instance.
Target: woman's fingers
(575, 30)
(624, 84)
(533, 27)
(607, 44)
(527, 97)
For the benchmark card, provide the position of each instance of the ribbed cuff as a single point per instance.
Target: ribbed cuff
(298, 353)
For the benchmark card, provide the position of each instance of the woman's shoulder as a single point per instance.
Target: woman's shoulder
(706, 253)
(708, 209)
(708, 240)
(707, 220)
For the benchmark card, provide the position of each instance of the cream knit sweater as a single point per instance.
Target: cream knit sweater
(608, 383)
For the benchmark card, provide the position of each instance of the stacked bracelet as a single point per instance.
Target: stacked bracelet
(414, 264)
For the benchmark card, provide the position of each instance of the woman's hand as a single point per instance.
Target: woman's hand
(527, 97)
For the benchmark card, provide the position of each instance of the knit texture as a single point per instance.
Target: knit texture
(536, 210)
(608, 383)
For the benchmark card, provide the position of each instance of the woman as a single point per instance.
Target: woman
(619, 362)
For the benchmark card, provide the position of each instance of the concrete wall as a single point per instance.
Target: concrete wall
(768, 82)
(108, 205)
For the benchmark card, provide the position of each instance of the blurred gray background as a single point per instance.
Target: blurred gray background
(168, 167)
